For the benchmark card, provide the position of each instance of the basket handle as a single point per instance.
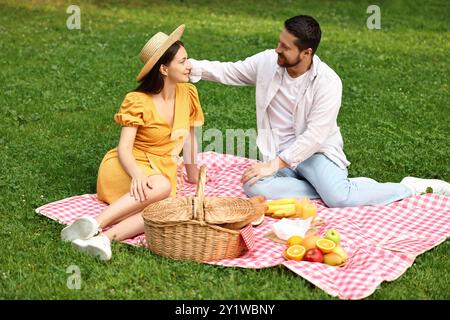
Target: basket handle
(199, 213)
(201, 182)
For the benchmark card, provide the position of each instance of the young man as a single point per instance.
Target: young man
(298, 98)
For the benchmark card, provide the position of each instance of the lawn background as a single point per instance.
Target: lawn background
(60, 89)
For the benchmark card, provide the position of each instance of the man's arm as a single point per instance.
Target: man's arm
(321, 120)
(238, 73)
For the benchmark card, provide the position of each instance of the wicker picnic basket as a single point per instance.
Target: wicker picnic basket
(197, 227)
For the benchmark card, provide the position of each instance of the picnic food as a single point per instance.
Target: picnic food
(310, 242)
(333, 235)
(295, 252)
(309, 210)
(325, 245)
(317, 249)
(333, 259)
(294, 240)
(340, 251)
(288, 207)
(291, 208)
(313, 255)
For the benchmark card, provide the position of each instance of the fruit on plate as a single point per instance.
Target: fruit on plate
(291, 208)
(313, 255)
(310, 242)
(277, 207)
(340, 251)
(333, 259)
(295, 252)
(333, 235)
(278, 214)
(294, 240)
(325, 245)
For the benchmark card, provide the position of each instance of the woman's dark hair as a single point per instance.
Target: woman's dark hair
(153, 82)
(307, 31)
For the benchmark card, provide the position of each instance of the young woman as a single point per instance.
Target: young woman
(158, 121)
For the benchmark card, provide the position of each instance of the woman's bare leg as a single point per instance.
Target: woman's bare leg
(130, 227)
(127, 206)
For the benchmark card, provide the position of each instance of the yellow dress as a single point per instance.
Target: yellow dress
(157, 145)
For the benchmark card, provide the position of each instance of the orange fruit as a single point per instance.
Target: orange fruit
(325, 245)
(310, 242)
(295, 252)
(294, 240)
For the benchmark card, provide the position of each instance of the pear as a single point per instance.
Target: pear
(333, 259)
(340, 251)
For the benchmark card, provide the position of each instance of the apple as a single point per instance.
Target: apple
(340, 251)
(333, 259)
(333, 235)
(310, 242)
(313, 255)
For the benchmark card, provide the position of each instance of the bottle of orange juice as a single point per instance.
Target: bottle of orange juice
(309, 210)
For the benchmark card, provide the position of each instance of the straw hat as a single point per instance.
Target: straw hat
(155, 48)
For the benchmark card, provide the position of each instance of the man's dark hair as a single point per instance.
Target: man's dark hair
(153, 82)
(307, 31)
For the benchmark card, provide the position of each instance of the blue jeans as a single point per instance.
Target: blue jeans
(319, 177)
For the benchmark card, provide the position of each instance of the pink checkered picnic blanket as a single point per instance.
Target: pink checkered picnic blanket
(381, 241)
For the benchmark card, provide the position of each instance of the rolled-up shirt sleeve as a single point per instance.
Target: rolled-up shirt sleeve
(238, 73)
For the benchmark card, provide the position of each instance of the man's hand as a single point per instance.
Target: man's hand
(261, 170)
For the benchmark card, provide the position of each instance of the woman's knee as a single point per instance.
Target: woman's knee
(162, 185)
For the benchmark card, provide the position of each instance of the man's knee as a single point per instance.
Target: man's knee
(254, 189)
(338, 201)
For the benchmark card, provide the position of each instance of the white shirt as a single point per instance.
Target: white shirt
(281, 109)
(315, 113)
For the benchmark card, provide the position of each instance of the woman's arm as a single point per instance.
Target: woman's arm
(190, 157)
(139, 188)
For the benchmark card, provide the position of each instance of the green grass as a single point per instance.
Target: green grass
(61, 88)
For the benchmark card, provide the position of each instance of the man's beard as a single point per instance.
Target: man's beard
(286, 64)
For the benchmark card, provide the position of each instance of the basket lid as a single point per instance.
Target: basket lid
(170, 210)
(212, 210)
(229, 210)
(216, 210)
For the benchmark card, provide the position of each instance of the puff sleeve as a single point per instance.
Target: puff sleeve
(196, 117)
(131, 112)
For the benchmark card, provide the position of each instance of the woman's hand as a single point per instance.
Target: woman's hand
(140, 187)
(192, 172)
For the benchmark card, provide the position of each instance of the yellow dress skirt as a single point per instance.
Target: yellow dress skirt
(157, 145)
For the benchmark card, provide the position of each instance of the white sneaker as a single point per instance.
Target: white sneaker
(82, 228)
(419, 186)
(98, 246)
